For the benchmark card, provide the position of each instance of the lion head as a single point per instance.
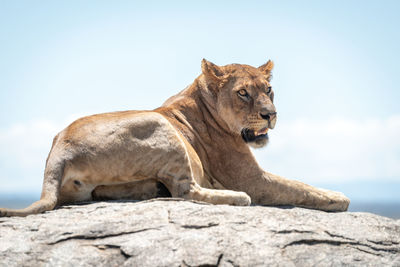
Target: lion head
(243, 99)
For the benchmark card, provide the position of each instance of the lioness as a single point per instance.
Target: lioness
(196, 145)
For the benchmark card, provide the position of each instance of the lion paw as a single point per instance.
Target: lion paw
(242, 199)
(3, 212)
(337, 201)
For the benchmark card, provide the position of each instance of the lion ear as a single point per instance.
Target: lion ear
(266, 69)
(211, 71)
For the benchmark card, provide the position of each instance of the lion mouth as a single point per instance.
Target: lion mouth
(261, 132)
(250, 135)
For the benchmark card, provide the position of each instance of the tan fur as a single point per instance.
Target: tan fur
(192, 145)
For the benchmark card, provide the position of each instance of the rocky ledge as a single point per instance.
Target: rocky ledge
(171, 232)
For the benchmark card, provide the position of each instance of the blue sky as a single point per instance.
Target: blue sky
(335, 78)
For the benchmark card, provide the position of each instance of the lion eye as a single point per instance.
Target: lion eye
(269, 89)
(243, 92)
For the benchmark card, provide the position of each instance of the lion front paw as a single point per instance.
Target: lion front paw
(242, 199)
(3, 212)
(337, 201)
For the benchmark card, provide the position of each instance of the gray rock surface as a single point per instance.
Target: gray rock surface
(172, 232)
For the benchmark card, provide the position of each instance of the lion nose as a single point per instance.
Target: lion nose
(268, 115)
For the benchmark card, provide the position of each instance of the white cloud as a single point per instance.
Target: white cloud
(334, 150)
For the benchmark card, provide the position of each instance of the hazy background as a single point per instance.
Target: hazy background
(336, 80)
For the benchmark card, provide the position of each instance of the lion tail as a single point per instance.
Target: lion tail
(50, 191)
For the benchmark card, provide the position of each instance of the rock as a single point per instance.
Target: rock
(171, 232)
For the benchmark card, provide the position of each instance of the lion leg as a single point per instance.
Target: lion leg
(183, 171)
(275, 190)
(186, 188)
(139, 190)
(216, 196)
